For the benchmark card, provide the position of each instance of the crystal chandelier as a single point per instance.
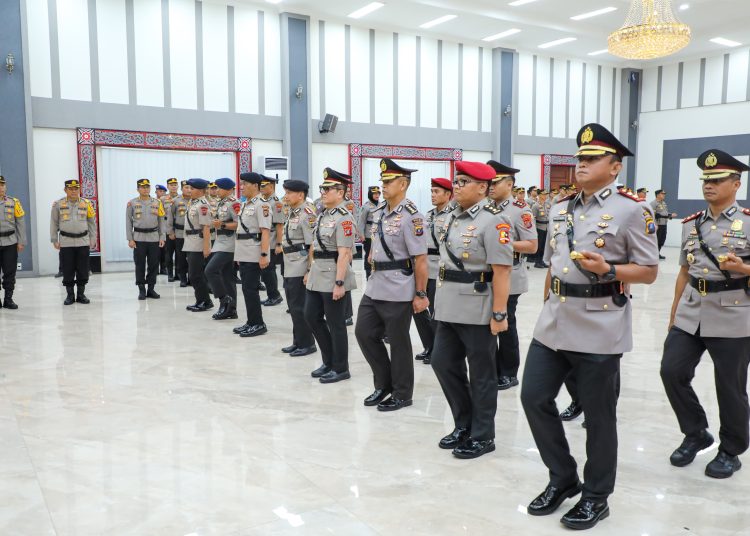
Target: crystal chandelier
(650, 31)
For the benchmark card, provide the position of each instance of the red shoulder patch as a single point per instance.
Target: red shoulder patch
(631, 196)
(527, 220)
(236, 207)
(695, 216)
(520, 204)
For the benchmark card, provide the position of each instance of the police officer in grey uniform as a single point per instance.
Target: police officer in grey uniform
(73, 233)
(397, 288)
(268, 275)
(12, 241)
(145, 233)
(220, 268)
(197, 244)
(253, 251)
(365, 221)
(176, 231)
(441, 194)
(476, 259)
(168, 201)
(601, 242)
(711, 312)
(298, 237)
(540, 211)
(662, 214)
(524, 241)
(330, 278)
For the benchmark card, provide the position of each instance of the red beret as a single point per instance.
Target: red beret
(445, 184)
(476, 170)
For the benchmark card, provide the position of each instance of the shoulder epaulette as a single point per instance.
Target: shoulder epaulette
(566, 198)
(342, 210)
(492, 209)
(694, 216)
(631, 196)
(411, 208)
(309, 210)
(520, 204)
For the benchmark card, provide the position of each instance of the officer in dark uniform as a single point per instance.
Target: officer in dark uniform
(397, 288)
(220, 268)
(145, 232)
(197, 244)
(365, 221)
(12, 241)
(599, 242)
(711, 312)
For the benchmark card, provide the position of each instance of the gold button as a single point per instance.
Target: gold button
(440, 284)
(565, 270)
(562, 299)
(705, 270)
(600, 231)
(583, 217)
(606, 306)
(736, 302)
(713, 227)
(574, 242)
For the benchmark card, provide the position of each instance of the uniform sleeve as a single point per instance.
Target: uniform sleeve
(414, 235)
(497, 241)
(162, 223)
(307, 221)
(169, 218)
(362, 220)
(278, 211)
(525, 226)
(91, 223)
(345, 232)
(640, 232)
(683, 254)
(264, 215)
(129, 222)
(54, 223)
(21, 230)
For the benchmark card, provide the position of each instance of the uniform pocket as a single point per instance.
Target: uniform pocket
(602, 305)
(735, 298)
(468, 289)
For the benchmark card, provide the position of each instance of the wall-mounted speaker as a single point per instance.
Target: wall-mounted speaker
(328, 124)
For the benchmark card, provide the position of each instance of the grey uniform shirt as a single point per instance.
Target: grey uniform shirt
(145, 214)
(298, 231)
(176, 216)
(479, 237)
(403, 232)
(661, 212)
(622, 230)
(436, 220)
(277, 216)
(334, 228)
(13, 221)
(540, 211)
(254, 215)
(226, 212)
(365, 219)
(77, 218)
(523, 228)
(719, 314)
(198, 214)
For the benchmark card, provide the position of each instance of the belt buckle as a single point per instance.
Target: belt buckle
(702, 287)
(372, 265)
(481, 277)
(556, 286)
(441, 273)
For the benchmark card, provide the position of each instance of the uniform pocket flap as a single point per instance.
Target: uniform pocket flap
(735, 298)
(467, 289)
(604, 304)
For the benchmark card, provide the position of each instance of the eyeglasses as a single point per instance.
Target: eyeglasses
(325, 189)
(461, 182)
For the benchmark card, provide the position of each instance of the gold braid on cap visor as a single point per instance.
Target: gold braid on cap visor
(719, 173)
(595, 150)
(385, 177)
(498, 178)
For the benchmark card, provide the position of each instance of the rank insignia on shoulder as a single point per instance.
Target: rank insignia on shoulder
(630, 196)
(693, 217)
(309, 210)
(519, 204)
(411, 208)
(566, 198)
(342, 210)
(492, 209)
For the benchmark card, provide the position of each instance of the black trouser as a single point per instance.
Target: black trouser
(374, 318)
(472, 399)
(571, 384)
(8, 266)
(682, 353)
(181, 264)
(196, 263)
(541, 236)
(250, 274)
(366, 245)
(220, 274)
(75, 265)
(170, 247)
(424, 321)
(508, 357)
(329, 332)
(146, 253)
(349, 313)
(269, 277)
(294, 288)
(597, 374)
(661, 235)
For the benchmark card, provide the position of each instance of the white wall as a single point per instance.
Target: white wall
(333, 155)
(530, 166)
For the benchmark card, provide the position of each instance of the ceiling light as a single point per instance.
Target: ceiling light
(521, 2)
(683, 7)
(557, 42)
(369, 8)
(725, 42)
(598, 52)
(594, 13)
(439, 20)
(651, 30)
(500, 35)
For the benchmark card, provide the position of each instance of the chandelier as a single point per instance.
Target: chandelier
(650, 31)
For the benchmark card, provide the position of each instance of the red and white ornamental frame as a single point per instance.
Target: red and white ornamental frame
(549, 160)
(358, 151)
(89, 139)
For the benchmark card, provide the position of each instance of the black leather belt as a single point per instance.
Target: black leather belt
(192, 232)
(369, 222)
(573, 290)
(224, 232)
(294, 248)
(248, 236)
(704, 286)
(542, 221)
(74, 235)
(433, 251)
(145, 230)
(391, 265)
(179, 227)
(326, 255)
(7, 233)
(458, 276)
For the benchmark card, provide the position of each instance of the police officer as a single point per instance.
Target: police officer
(523, 241)
(161, 195)
(12, 241)
(220, 268)
(73, 233)
(197, 243)
(601, 241)
(364, 223)
(176, 230)
(397, 288)
(710, 312)
(473, 283)
(662, 214)
(298, 237)
(540, 211)
(169, 248)
(331, 278)
(268, 275)
(642, 192)
(253, 251)
(145, 233)
(441, 193)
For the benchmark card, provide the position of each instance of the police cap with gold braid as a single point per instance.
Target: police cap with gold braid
(390, 170)
(2, 179)
(502, 171)
(172, 180)
(72, 183)
(331, 177)
(717, 164)
(143, 182)
(595, 140)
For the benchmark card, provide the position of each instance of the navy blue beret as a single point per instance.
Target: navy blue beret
(161, 187)
(199, 184)
(225, 183)
(252, 177)
(296, 186)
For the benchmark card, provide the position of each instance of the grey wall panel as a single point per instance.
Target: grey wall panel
(540, 145)
(508, 74)
(299, 109)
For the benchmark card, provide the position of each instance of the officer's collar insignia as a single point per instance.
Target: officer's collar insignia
(332, 211)
(731, 211)
(606, 193)
(505, 203)
(473, 210)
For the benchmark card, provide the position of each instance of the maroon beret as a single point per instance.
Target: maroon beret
(476, 170)
(445, 184)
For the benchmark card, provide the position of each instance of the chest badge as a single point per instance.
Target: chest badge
(603, 224)
(607, 217)
(599, 242)
(690, 258)
(737, 225)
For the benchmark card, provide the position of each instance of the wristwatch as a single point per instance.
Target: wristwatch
(263, 254)
(339, 282)
(497, 316)
(611, 275)
(421, 294)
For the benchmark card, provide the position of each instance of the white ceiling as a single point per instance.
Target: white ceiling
(540, 21)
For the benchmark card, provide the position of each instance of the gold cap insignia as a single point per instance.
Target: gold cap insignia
(711, 160)
(383, 166)
(587, 135)
(325, 173)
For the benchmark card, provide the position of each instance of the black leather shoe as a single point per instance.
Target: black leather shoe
(541, 265)
(81, 298)
(474, 449)
(572, 411)
(254, 331)
(58, 274)
(8, 303)
(551, 498)
(455, 439)
(585, 514)
(427, 360)
(240, 329)
(70, 298)
(299, 352)
(421, 355)
(349, 321)
(261, 287)
(723, 466)
(506, 382)
(141, 292)
(661, 257)
(151, 293)
(201, 307)
(393, 404)
(333, 376)
(289, 349)
(691, 445)
(183, 284)
(272, 301)
(171, 279)
(320, 371)
(377, 396)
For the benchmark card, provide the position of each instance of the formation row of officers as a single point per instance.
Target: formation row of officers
(459, 271)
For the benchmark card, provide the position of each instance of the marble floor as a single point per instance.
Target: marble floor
(138, 418)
